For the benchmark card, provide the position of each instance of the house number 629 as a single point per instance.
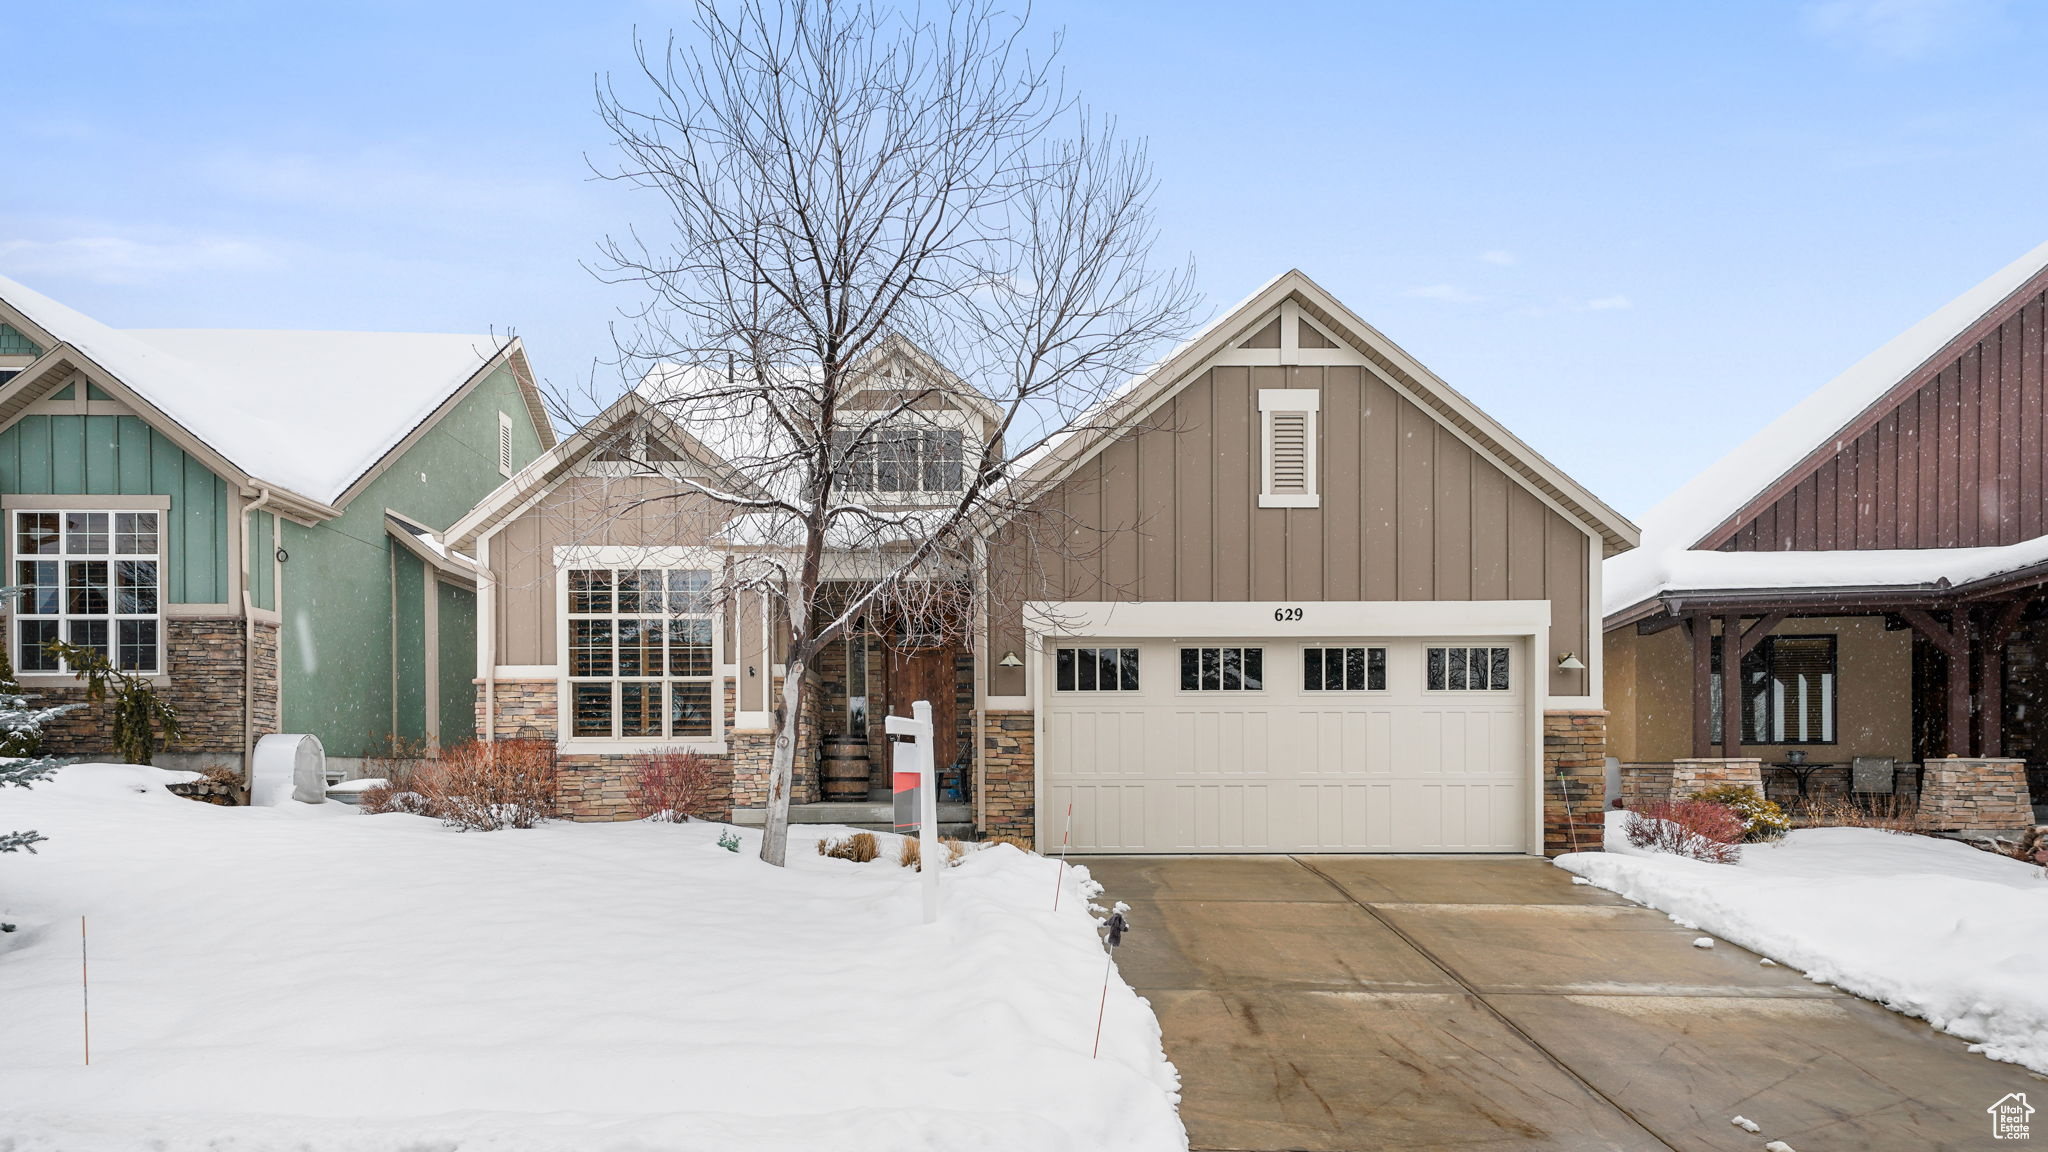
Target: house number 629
(1283, 615)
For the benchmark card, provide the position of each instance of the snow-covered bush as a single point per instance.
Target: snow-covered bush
(860, 847)
(1895, 814)
(477, 786)
(1761, 819)
(1691, 828)
(672, 784)
(21, 740)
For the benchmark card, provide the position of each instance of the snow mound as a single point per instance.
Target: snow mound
(1924, 926)
(114, 782)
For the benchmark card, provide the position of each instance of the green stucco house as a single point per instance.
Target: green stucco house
(252, 519)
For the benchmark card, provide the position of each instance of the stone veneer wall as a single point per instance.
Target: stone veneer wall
(1975, 794)
(1009, 775)
(205, 684)
(1574, 780)
(1678, 779)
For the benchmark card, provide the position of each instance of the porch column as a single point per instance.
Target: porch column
(1702, 630)
(1731, 686)
(1959, 676)
(1991, 677)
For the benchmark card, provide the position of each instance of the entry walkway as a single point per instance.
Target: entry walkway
(1324, 1003)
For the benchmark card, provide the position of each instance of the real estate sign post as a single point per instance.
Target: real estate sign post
(916, 796)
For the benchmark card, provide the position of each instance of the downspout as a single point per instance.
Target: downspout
(487, 638)
(263, 498)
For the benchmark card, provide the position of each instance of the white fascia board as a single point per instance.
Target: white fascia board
(1287, 618)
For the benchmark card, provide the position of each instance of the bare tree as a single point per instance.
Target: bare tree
(859, 198)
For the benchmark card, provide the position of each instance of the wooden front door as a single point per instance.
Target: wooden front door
(925, 673)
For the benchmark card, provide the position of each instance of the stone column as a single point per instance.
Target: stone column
(1574, 780)
(1975, 794)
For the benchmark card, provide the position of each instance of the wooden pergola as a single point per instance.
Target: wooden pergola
(1969, 623)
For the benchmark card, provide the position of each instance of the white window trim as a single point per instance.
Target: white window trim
(504, 444)
(1387, 665)
(1309, 402)
(1468, 643)
(23, 506)
(972, 451)
(626, 556)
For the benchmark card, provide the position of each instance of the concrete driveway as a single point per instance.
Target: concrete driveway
(1347, 1002)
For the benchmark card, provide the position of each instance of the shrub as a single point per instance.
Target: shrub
(911, 853)
(1761, 819)
(478, 786)
(388, 798)
(670, 784)
(1018, 843)
(860, 847)
(1691, 828)
(142, 720)
(1885, 813)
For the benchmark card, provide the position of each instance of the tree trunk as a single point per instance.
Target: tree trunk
(782, 765)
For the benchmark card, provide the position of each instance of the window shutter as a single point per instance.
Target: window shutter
(1290, 453)
(504, 444)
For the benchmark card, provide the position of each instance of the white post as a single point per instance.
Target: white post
(923, 762)
(928, 847)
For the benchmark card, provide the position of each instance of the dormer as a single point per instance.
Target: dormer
(911, 432)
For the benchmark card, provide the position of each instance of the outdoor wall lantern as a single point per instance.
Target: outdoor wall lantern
(1570, 663)
(1010, 660)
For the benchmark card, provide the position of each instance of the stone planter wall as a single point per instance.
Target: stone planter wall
(1654, 783)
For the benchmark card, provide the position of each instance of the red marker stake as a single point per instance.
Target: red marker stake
(1103, 1005)
(1059, 874)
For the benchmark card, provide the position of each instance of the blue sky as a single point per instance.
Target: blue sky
(1634, 232)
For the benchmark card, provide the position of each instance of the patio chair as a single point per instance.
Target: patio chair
(1872, 776)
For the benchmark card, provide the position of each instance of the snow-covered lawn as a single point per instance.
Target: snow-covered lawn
(1928, 927)
(310, 978)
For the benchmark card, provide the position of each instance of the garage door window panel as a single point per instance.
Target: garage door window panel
(1095, 669)
(1467, 669)
(1222, 669)
(1344, 669)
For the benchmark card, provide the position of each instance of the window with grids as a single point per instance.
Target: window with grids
(641, 648)
(89, 579)
(1095, 669)
(1788, 691)
(1467, 669)
(1222, 669)
(1344, 669)
(902, 460)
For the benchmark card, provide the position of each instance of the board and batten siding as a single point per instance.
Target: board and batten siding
(83, 455)
(581, 510)
(1408, 511)
(1958, 462)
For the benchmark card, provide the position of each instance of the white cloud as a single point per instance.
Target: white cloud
(1608, 303)
(1903, 29)
(122, 260)
(1498, 256)
(1448, 293)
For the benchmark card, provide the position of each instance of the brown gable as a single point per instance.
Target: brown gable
(1950, 457)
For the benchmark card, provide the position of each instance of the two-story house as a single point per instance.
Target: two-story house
(1308, 598)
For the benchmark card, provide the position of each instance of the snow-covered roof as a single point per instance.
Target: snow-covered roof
(1713, 571)
(310, 411)
(1665, 560)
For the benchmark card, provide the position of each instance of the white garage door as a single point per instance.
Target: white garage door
(1347, 745)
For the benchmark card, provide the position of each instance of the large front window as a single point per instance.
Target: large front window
(89, 579)
(641, 648)
(1788, 691)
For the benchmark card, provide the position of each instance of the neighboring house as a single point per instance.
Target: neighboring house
(250, 519)
(1306, 598)
(1872, 562)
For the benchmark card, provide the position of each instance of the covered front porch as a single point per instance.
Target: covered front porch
(1930, 697)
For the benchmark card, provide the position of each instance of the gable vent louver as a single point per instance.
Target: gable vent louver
(1290, 452)
(1288, 417)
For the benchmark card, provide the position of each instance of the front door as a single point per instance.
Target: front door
(921, 668)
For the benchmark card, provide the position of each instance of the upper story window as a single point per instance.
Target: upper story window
(893, 460)
(641, 647)
(89, 579)
(1287, 433)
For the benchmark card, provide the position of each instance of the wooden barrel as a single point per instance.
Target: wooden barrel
(845, 769)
